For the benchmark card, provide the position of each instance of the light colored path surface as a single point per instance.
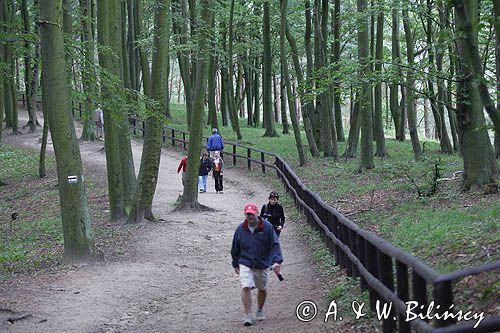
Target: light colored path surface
(177, 276)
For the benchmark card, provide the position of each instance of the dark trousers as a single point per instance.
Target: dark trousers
(218, 181)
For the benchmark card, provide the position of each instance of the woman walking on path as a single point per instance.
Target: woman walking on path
(218, 170)
(274, 213)
(205, 167)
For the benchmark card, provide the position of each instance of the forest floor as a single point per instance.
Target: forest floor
(171, 276)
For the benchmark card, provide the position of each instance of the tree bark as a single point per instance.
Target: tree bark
(479, 162)
(496, 9)
(113, 159)
(88, 73)
(474, 59)
(77, 228)
(189, 198)
(288, 86)
(351, 149)
(306, 108)
(396, 111)
(337, 106)
(366, 156)
(410, 84)
(379, 122)
(151, 151)
(266, 77)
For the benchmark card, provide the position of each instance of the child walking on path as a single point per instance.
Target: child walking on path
(205, 167)
(218, 171)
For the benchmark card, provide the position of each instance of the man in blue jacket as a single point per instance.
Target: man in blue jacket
(255, 248)
(214, 143)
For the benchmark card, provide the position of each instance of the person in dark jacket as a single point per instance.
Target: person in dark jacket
(274, 213)
(205, 167)
(214, 143)
(255, 248)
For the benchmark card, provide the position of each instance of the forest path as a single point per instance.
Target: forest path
(176, 276)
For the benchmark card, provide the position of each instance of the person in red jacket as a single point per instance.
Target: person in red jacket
(183, 166)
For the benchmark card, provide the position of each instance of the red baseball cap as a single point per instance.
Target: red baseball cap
(251, 209)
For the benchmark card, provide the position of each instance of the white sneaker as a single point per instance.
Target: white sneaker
(248, 320)
(259, 315)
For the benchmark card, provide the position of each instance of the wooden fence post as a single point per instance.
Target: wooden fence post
(443, 297)
(385, 269)
(403, 293)
(234, 155)
(249, 155)
(263, 160)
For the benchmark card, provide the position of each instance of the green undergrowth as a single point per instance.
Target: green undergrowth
(31, 235)
(399, 199)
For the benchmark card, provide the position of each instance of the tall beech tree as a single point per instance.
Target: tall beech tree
(267, 74)
(479, 162)
(77, 228)
(366, 156)
(151, 151)
(189, 198)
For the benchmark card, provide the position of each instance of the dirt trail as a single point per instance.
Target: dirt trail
(177, 276)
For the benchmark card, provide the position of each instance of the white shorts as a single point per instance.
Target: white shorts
(253, 278)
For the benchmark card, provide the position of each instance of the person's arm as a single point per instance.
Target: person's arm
(209, 144)
(101, 115)
(221, 144)
(235, 251)
(180, 166)
(221, 166)
(277, 257)
(282, 217)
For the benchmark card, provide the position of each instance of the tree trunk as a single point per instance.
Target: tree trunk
(479, 162)
(2, 77)
(266, 76)
(10, 84)
(351, 150)
(212, 78)
(256, 94)
(438, 108)
(337, 106)
(189, 198)
(313, 119)
(496, 8)
(396, 111)
(151, 151)
(410, 86)
(366, 156)
(77, 228)
(323, 109)
(88, 74)
(28, 72)
(233, 109)
(283, 98)
(132, 54)
(113, 158)
(474, 59)
(300, 80)
(288, 86)
(427, 128)
(275, 100)
(379, 122)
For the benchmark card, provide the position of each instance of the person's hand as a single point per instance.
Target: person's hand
(237, 270)
(276, 268)
(279, 228)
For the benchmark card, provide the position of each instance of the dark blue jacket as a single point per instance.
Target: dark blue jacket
(205, 166)
(215, 143)
(258, 250)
